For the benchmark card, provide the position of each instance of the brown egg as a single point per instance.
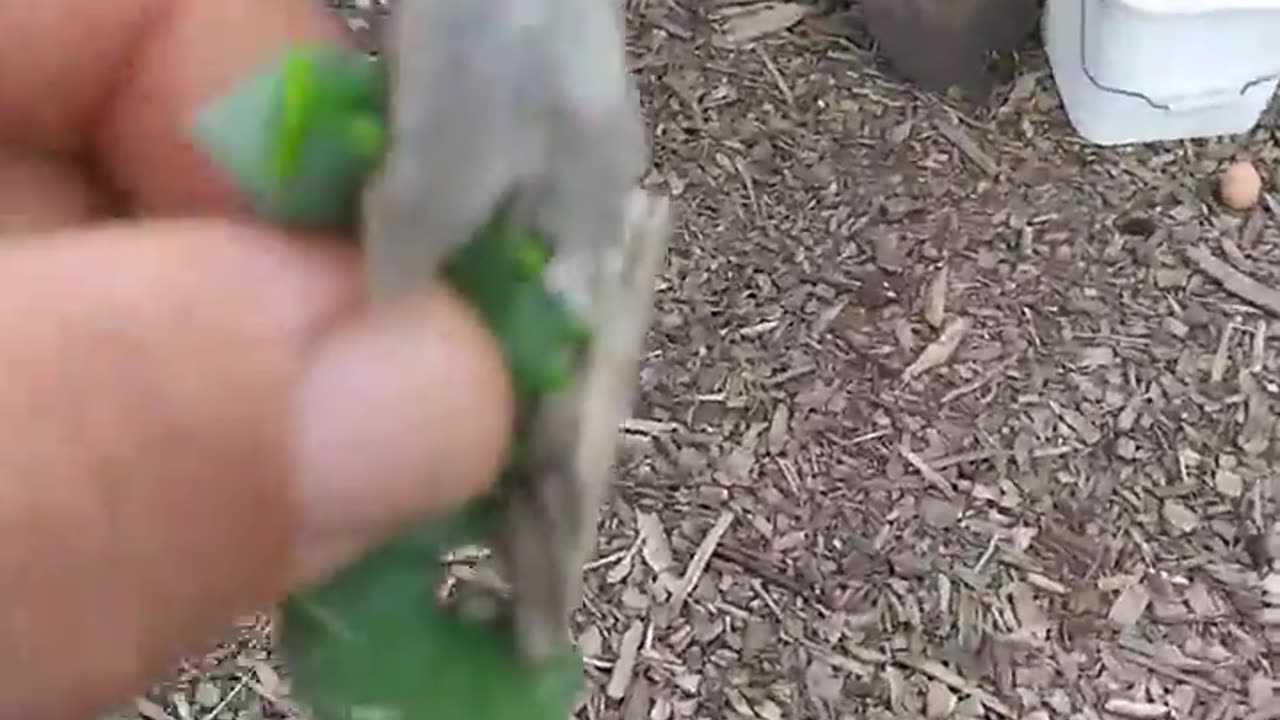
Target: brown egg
(1240, 185)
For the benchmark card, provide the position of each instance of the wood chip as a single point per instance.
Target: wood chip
(1261, 691)
(622, 568)
(934, 477)
(935, 304)
(699, 562)
(150, 710)
(939, 702)
(639, 700)
(1218, 368)
(1256, 432)
(207, 694)
(760, 20)
(1129, 605)
(822, 682)
(1234, 281)
(939, 351)
(1081, 425)
(1228, 482)
(625, 667)
(649, 427)
(1047, 584)
(967, 146)
(654, 545)
(591, 641)
(951, 679)
(1097, 356)
(1136, 709)
(1182, 700)
(1031, 617)
(1180, 517)
(1171, 672)
(779, 429)
(269, 682)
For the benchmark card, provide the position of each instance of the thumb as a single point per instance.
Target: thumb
(196, 417)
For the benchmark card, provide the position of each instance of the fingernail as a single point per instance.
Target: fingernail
(403, 417)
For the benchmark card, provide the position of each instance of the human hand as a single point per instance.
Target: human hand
(198, 414)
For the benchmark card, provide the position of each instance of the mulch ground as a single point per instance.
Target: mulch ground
(945, 412)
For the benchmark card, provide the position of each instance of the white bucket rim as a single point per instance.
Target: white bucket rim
(1197, 7)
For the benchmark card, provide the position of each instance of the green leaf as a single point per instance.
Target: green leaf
(301, 136)
(374, 643)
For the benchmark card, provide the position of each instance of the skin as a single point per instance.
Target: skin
(199, 413)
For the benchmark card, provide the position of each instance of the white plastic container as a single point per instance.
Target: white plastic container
(1132, 71)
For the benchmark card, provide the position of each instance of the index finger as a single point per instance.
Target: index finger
(118, 82)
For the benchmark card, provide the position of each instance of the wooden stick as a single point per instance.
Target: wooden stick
(1234, 281)
(550, 523)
